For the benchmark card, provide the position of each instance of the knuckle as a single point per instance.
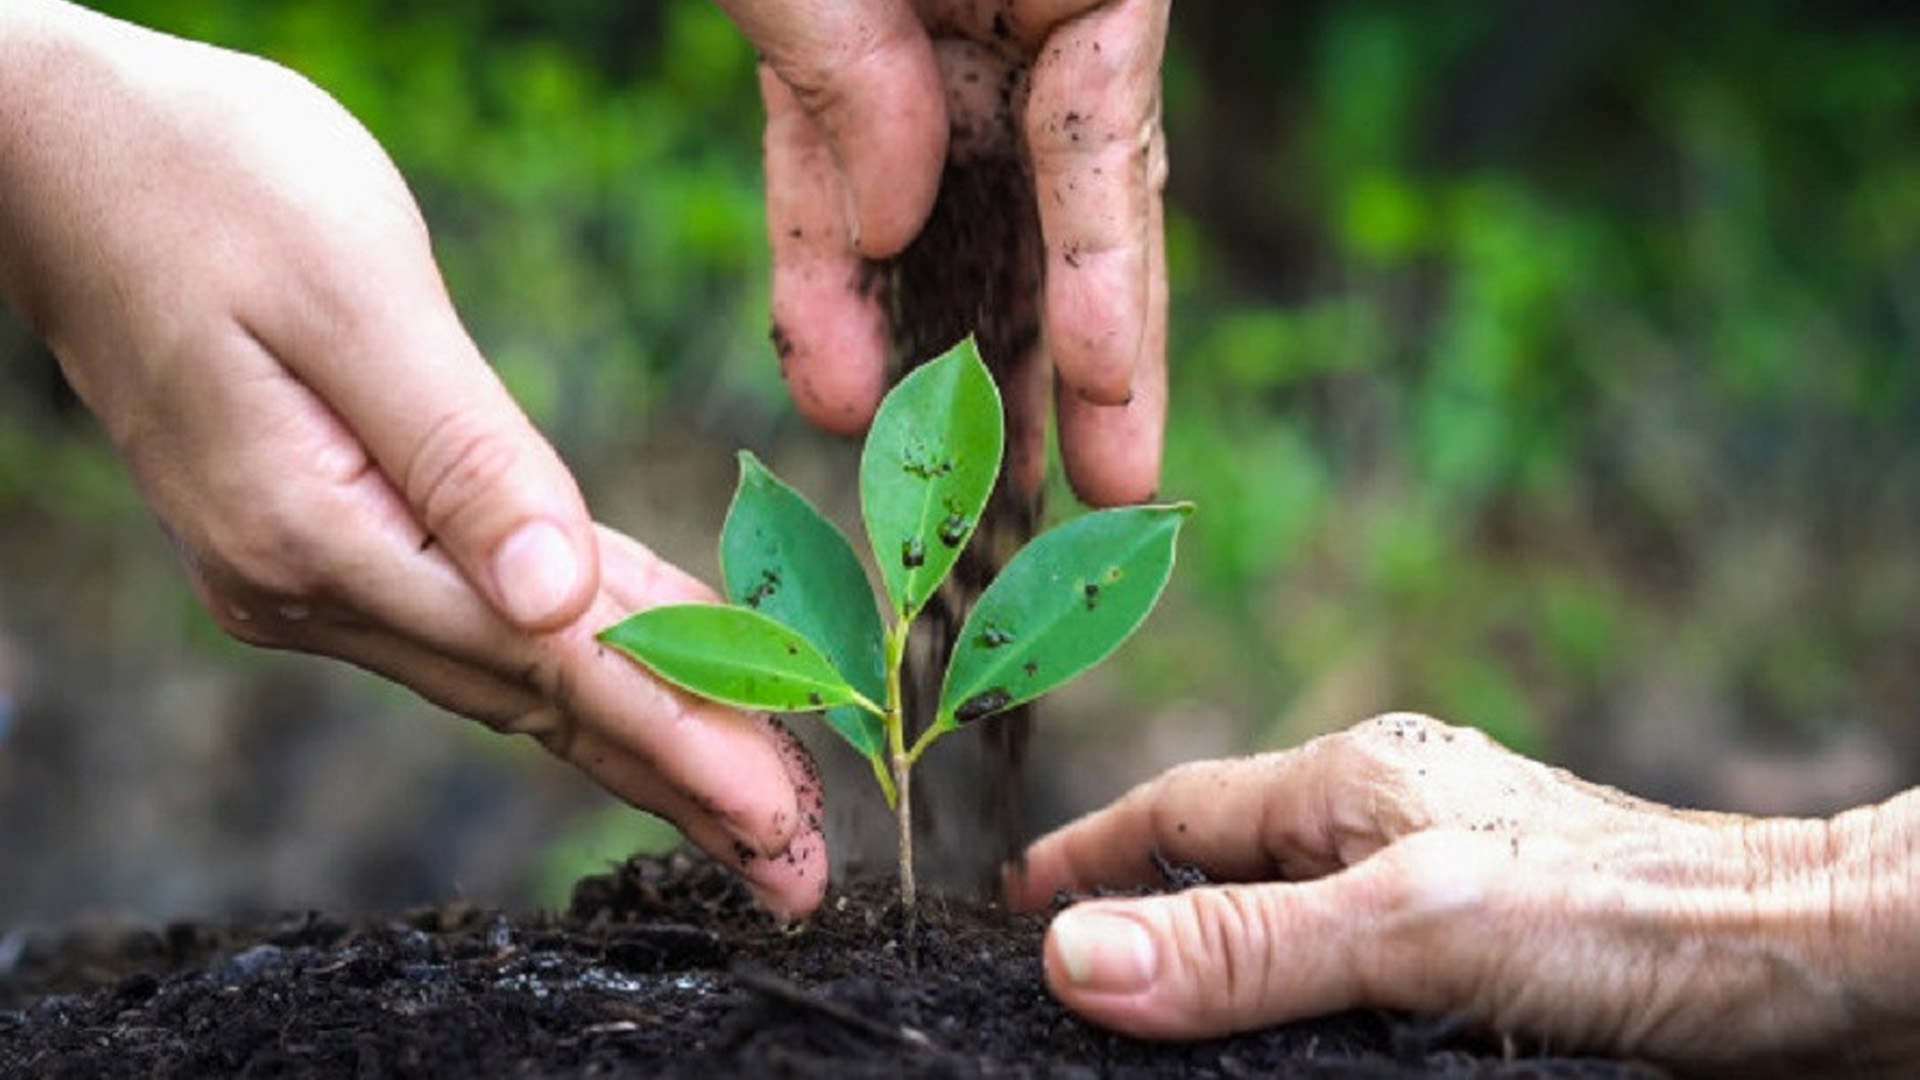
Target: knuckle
(1424, 900)
(1226, 940)
(1433, 874)
(1398, 729)
(1393, 741)
(829, 82)
(460, 462)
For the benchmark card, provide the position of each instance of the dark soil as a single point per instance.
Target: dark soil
(660, 968)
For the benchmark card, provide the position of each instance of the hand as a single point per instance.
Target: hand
(237, 282)
(861, 97)
(1408, 864)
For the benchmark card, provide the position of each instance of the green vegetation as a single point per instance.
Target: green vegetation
(1548, 374)
(801, 633)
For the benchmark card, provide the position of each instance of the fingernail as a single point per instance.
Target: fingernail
(850, 207)
(536, 572)
(1108, 954)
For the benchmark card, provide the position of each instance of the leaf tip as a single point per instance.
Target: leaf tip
(750, 464)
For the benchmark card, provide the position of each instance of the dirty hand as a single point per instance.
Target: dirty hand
(1409, 864)
(238, 283)
(861, 98)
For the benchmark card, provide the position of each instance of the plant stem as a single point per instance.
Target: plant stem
(925, 740)
(901, 763)
(903, 813)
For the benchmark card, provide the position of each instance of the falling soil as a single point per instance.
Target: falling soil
(661, 967)
(975, 268)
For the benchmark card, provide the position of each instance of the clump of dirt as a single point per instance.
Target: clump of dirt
(661, 967)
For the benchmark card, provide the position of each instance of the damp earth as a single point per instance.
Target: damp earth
(660, 967)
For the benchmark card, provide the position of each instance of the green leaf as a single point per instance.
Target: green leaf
(731, 654)
(929, 464)
(782, 558)
(1059, 607)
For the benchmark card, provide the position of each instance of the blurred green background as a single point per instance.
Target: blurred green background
(1551, 368)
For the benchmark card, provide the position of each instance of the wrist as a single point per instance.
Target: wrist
(1835, 906)
(1876, 923)
(44, 51)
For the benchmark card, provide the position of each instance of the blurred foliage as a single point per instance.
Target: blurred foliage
(1513, 328)
(1517, 347)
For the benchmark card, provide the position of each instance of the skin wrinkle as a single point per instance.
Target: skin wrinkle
(1370, 975)
(1702, 940)
(1076, 129)
(835, 343)
(237, 282)
(457, 461)
(822, 90)
(1832, 926)
(1221, 921)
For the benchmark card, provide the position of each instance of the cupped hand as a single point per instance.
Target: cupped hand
(865, 101)
(238, 283)
(1409, 864)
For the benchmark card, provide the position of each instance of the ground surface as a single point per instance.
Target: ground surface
(661, 968)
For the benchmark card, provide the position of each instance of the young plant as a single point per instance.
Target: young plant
(802, 633)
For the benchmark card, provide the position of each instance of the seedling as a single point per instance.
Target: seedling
(802, 632)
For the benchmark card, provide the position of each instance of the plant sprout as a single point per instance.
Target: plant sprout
(802, 632)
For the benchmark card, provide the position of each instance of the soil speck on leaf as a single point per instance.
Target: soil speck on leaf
(994, 636)
(954, 529)
(768, 584)
(915, 465)
(985, 703)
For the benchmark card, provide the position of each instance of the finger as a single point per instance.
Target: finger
(1278, 815)
(1207, 813)
(1091, 121)
(1407, 930)
(829, 325)
(785, 867)
(375, 336)
(1112, 452)
(864, 71)
(466, 689)
(719, 756)
(365, 591)
(1026, 388)
(639, 740)
(788, 883)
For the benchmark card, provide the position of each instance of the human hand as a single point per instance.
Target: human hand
(861, 98)
(239, 285)
(1409, 864)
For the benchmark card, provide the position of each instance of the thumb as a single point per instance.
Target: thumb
(1212, 961)
(481, 482)
(865, 71)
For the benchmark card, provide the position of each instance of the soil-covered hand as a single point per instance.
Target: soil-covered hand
(237, 282)
(1409, 864)
(863, 100)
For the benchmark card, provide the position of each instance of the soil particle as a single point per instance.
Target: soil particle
(976, 267)
(983, 704)
(661, 967)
